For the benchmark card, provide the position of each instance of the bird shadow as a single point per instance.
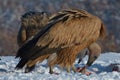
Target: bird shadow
(99, 68)
(44, 65)
(2, 70)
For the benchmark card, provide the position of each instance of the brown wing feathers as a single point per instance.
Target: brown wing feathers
(71, 32)
(63, 29)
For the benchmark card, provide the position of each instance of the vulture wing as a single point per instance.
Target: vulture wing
(74, 27)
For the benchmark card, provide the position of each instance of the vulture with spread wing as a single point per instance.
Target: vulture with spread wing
(66, 34)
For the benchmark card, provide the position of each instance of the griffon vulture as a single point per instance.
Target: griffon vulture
(31, 23)
(66, 34)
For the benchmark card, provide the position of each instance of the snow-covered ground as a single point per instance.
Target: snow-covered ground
(41, 72)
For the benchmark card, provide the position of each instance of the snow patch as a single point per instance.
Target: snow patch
(101, 67)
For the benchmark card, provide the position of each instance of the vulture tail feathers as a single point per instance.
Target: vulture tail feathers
(21, 63)
(102, 31)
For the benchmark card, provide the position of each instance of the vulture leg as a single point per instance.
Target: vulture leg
(52, 60)
(68, 68)
(51, 70)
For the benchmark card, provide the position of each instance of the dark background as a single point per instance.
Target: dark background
(11, 11)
